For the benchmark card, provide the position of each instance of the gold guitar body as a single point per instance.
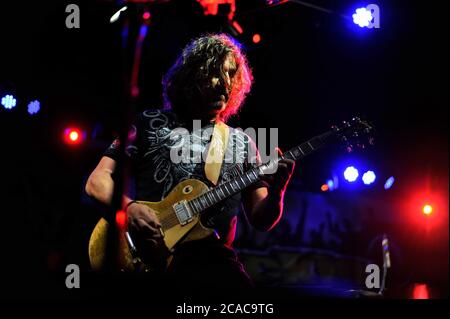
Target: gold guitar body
(174, 233)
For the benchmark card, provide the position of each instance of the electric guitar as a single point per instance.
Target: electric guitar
(181, 212)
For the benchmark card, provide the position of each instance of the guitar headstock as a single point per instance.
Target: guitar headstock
(355, 133)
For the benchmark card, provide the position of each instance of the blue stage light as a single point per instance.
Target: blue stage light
(362, 17)
(389, 182)
(369, 177)
(34, 107)
(8, 101)
(351, 174)
(335, 180)
(330, 184)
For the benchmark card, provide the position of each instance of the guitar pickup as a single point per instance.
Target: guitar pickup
(182, 212)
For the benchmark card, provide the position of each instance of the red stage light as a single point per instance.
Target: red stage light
(427, 209)
(121, 219)
(237, 27)
(211, 7)
(73, 136)
(420, 291)
(324, 188)
(146, 15)
(256, 38)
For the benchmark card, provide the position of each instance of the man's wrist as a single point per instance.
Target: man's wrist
(127, 205)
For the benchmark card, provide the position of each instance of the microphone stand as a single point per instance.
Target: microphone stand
(386, 266)
(386, 262)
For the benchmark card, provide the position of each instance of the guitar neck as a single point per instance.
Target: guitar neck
(239, 183)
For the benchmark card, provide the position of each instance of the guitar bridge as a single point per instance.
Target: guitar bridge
(183, 212)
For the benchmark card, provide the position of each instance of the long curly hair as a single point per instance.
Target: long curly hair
(189, 79)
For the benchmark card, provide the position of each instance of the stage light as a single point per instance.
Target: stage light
(121, 219)
(211, 7)
(351, 174)
(362, 17)
(34, 107)
(116, 15)
(146, 15)
(369, 177)
(335, 181)
(256, 38)
(389, 182)
(427, 209)
(324, 188)
(8, 101)
(367, 17)
(73, 136)
(330, 184)
(275, 2)
(420, 291)
(237, 27)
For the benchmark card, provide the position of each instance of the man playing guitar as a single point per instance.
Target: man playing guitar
(208, 82)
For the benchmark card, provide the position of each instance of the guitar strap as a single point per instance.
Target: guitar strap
(216, 151)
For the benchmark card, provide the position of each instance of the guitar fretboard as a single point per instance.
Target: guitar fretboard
(239, 183)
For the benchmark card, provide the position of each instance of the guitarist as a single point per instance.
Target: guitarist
(208, 82)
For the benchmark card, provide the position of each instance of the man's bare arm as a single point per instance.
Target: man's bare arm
(263, 206)
(100, 184)
(263, 212)
(142, 221)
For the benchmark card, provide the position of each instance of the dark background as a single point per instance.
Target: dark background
(311, 69)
